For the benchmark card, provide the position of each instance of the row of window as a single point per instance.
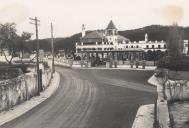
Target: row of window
(93, 49)
(97, 43)
(159, 47)
(147, 46)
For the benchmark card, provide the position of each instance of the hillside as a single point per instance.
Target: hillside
(155, 32)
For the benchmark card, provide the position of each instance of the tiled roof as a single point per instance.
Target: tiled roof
(92, 37)
(111, 25)
(93, 34)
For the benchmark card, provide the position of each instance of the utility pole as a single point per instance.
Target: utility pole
(188, 48)
(52, 48)
(36, 21)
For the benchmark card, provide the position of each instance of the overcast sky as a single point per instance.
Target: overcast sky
(68, 15)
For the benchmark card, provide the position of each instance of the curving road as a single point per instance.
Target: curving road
(91, 99)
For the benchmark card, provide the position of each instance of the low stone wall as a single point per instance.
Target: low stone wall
(63, 62)
(17, 90)
(176, 90)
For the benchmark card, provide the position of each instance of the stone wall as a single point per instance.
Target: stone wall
(17, 90)
(176, 90)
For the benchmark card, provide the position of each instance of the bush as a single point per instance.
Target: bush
(45, 64)
(9, 73)
(174, 63)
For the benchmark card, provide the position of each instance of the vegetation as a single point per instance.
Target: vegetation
(155, 32)
(175, 59)
(174, 63)
(11, 41)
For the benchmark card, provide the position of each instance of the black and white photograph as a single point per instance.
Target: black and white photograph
(94, 64)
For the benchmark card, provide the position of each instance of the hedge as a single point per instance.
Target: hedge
(174, 63)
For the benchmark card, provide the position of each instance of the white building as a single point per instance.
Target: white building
(101, 40)
(185, 49)
(109, 39)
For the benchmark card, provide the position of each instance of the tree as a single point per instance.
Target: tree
(175, 41)
(8, 36)
(11, 41)
(22, 45)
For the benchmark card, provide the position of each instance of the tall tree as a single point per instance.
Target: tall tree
(11, 41)
(175, 41)
(8, 37)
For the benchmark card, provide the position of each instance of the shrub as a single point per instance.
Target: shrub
(45, 64)
(174, 63)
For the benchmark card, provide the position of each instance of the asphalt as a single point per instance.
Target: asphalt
(91, 99)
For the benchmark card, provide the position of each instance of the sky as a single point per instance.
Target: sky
(68, 16)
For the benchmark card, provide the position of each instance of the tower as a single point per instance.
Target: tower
(111, 29)
(146, 37)
(83, 30)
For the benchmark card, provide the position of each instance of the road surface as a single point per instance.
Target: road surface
(91, 99)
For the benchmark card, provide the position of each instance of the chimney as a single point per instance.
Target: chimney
(83, 30)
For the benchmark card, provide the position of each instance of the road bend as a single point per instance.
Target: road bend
(88, 98)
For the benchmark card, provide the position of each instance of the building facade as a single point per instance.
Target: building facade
(108, 41)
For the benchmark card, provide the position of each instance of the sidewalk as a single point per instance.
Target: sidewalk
(22, 108)
(144, 117)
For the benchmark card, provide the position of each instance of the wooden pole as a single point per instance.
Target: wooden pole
(37, 53)
(52, 48)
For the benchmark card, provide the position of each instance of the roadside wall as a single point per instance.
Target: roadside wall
(63, 62)
(17, 90)
(177, 90)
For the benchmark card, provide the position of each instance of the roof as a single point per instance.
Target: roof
(91, 37)
(111, 25)
(93, 34)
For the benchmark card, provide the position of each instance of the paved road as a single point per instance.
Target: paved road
(91, 99)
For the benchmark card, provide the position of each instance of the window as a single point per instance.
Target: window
(165, 46)
(78, 50)
(109, 32)
(159, 46)
(126, 46)
(131, 46)
(153, 46)
(137, 46)
(147, 46)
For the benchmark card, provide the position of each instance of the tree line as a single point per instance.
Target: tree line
(155, 32)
